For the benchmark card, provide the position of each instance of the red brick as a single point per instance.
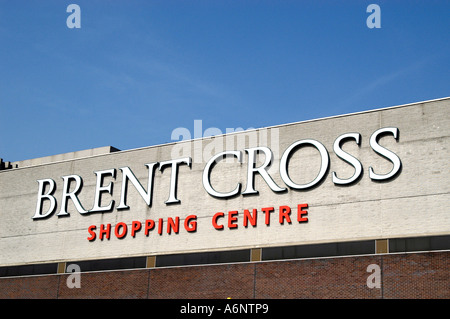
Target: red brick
(403, 276)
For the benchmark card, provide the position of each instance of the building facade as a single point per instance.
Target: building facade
(351, 206)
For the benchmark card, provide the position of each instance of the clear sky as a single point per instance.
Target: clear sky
(137, 70)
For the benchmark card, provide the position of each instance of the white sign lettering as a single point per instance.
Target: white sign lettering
(106, 178)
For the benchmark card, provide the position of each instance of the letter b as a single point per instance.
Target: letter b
(48, 196)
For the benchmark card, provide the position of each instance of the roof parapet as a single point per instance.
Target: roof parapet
(57, 158)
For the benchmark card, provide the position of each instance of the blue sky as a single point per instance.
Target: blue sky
(137, 70)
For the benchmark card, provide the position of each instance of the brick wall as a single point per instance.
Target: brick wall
(416, 275)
